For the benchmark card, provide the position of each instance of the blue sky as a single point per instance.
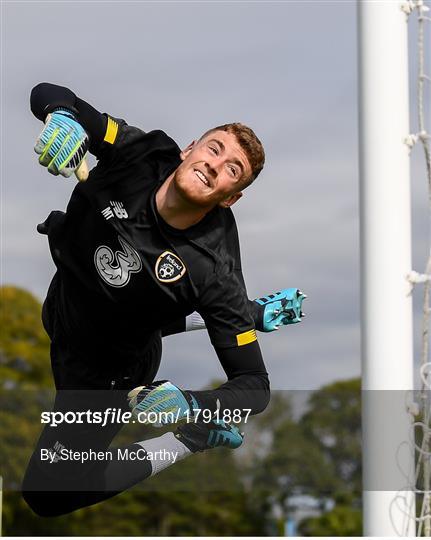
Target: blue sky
(288, 70)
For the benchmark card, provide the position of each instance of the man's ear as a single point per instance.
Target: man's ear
(184, 153)
(227, 203)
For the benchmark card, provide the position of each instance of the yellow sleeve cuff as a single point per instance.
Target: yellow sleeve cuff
(246, 337)
(111, 131)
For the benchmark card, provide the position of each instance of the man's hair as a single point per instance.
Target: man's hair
(251, 145)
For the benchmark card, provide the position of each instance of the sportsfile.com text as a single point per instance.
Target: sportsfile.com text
(118, 416)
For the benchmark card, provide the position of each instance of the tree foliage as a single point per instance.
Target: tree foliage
(317, 455)
(340, 521)
(24, 345)
(334, 422)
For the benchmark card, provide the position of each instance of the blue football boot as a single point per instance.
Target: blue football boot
(280, 308)
(200, 436)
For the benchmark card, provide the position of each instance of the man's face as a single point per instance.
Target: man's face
(212, 170)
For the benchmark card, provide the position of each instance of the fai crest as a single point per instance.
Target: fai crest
(169, 267)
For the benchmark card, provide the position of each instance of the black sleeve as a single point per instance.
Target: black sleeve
(46, 97)
(233, 246)
(255, 309)
(175, 327)
(247, 386)
(223, 305)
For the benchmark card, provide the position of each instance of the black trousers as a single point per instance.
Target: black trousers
(88, 377)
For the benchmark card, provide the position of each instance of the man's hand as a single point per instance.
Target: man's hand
(161, 403)
(281, 308)
(63, 144)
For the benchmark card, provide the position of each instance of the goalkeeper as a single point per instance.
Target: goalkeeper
(147, 247)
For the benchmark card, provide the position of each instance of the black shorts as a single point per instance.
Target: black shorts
(85, 363)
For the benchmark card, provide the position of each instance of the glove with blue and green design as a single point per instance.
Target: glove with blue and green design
(161, 403)
(63, 143)
(280, 308)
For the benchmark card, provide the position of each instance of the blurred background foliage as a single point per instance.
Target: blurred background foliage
(300, 464)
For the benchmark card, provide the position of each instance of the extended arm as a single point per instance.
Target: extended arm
(247, 386)
(268, 312)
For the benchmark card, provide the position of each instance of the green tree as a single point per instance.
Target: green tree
(318, 455)
(340, 521)
(294, 466)
(334, 422)
(24, 344)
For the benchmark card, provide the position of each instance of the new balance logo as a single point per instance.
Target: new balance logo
(115, 209)
(107, 213)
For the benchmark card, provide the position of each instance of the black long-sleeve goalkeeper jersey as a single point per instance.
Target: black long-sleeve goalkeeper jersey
(126, 273)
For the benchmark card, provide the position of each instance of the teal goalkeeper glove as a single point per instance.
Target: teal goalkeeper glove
(63, 143)
(161, 403)
(280, 308)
